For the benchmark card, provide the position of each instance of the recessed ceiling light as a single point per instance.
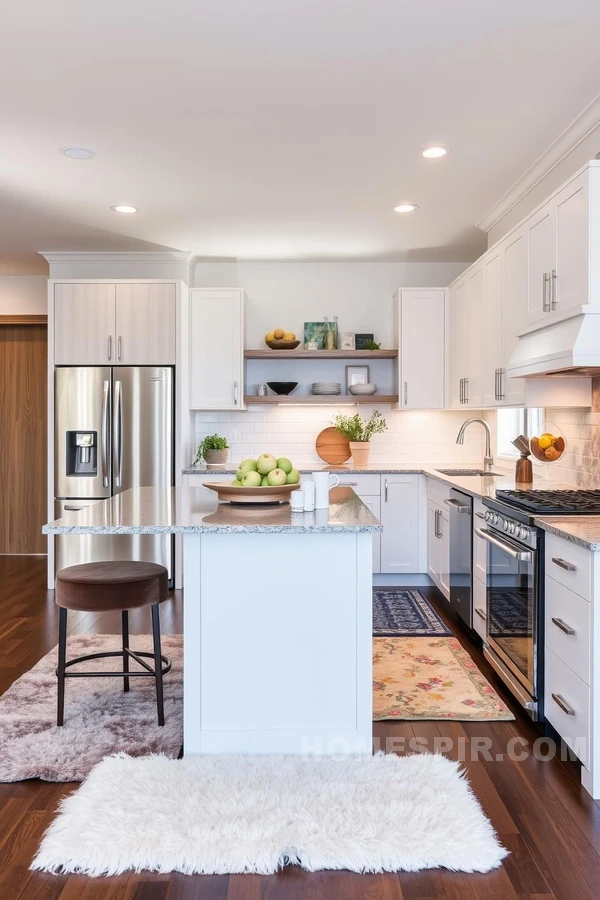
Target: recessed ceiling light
(124, 209)
(77, 152)
(433, 152)
(406, 207)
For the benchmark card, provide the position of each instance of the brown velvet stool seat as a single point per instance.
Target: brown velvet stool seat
(112, 585)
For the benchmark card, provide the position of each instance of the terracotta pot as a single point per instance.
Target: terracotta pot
(216, 457)
(360, 451)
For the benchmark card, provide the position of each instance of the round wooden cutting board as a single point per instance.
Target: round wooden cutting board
(333, 447)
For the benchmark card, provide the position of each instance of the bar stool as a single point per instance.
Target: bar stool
(114, 585)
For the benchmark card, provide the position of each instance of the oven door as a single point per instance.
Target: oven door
(511, 592)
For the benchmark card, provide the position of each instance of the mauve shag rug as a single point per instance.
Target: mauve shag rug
(100, 719)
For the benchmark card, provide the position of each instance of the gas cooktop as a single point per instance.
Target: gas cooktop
(556, 502)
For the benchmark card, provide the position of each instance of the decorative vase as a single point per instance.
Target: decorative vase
(360, 451)
(216, 457)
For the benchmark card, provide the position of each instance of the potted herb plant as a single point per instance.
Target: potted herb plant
(359, 432)
(214, 450)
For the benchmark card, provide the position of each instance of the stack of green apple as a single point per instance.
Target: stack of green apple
(266, 470)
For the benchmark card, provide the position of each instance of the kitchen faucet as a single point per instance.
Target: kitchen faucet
(488, 459)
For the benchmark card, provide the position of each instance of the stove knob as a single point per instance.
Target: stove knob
(511, 527)
(505, 525)
(524, 532)
(488, 516)
(494, 518)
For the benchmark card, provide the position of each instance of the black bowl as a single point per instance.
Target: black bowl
(282, 387)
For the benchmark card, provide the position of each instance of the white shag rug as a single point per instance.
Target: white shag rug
(235, 814)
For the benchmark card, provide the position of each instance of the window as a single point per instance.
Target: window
(510, 423)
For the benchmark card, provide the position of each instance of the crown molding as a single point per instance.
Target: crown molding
(583, 125)
(86, 256)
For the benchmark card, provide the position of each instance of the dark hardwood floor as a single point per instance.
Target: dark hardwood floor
(541, 813)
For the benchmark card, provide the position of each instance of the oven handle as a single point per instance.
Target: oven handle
(510, 549)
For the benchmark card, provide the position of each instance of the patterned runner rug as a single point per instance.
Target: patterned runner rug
(403, 613)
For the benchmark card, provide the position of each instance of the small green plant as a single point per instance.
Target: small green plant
(372, 345)
(210, 442)
(355, 428)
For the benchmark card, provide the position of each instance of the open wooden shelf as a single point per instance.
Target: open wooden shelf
(320, 354)
(326, 399)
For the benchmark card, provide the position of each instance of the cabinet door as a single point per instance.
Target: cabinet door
(459, 316)
(422, 349)
(374, 504)
(570, 281)
(84, 324)
(541, 257)
(433, 543)
(444, 526)
(400, 520)
(473, 347)
(216, 348)
(515, 295)
(145, 327)
(493, 357)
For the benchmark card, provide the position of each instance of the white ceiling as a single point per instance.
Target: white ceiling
(280, 129)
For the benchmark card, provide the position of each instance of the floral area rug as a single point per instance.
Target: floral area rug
(431, 678)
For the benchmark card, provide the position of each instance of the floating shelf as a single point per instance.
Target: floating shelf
(325, 399)
(320, 354)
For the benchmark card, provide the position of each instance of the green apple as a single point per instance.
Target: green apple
(236, 483)
(240, 474)
(276, 477)
(265, 481)
(293, 477)
(251, 479)
(285, 464)
(266, 463)
(247, 465)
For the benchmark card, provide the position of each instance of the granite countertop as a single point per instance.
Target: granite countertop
(192, 510)
(582, 530)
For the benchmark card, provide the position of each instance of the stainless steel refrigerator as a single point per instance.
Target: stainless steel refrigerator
(114, 430)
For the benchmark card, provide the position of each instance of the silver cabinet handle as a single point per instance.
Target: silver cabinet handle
(563, 626)
(406, 393)
(435, 523)
(458, 506)
(560, 701)
(466, 390)
(118, 434)
(545, 295)
(553, 297)
(104, 433)
(501, 374)
(349, 483)
(564, 564)
(235, 392)
(480, 613)
(511, 550)
(73, 508)
(385, 489)
(110, 346)
(119, 348)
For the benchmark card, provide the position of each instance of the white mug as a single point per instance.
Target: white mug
(309, 496)
(297, 501)
(322, 488)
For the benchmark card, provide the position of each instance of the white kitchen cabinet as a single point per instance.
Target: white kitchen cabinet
(84, 324)
(493, 276)
(400, 520)
(438, 537)
(458, 308)
(128, 324)
(467, 338)
(145, 324)
(422, 339)
(217, 348)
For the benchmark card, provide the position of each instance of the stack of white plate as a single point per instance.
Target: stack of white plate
(326, 387)
(362, 389)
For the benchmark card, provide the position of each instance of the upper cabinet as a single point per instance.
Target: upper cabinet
(466, 338)
(116, 324)
(558, 238)
(217, 348)
(421, 368)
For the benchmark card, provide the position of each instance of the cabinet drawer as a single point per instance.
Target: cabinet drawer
(574, 613)
(369, 485)
(438, 491)
(569, 564)
(575, 695)
(479, 607)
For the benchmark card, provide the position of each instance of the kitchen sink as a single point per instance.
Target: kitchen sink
(468, 472)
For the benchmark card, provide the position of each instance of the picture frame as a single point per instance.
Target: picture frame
(360, 340)
(314, 333)
(357, 375)
(348, 341)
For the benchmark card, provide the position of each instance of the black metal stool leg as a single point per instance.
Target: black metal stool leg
(158, 664)
(125, 629)
(62, 658)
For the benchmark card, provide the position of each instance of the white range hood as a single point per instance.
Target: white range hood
(568, 347)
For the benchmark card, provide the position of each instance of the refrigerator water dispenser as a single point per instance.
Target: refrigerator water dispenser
(82, 453)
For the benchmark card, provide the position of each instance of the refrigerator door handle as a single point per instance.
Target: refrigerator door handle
(104, 438)
(118, 434)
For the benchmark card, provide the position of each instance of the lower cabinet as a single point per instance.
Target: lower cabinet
(400, 520)
(438, 546)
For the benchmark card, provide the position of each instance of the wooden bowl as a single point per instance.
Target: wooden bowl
(263, 494)
(282, 345)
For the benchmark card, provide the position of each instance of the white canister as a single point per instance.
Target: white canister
(309, 495)
(323, 484)
(297, 501)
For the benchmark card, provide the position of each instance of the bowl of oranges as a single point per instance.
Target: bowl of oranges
(550, 446)
(278, 339)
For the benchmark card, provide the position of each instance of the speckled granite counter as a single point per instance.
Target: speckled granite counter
(194, 511)
(582, 530)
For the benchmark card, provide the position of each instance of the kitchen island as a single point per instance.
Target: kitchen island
(277, 616)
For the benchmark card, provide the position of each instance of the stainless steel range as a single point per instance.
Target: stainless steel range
(515, 584)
